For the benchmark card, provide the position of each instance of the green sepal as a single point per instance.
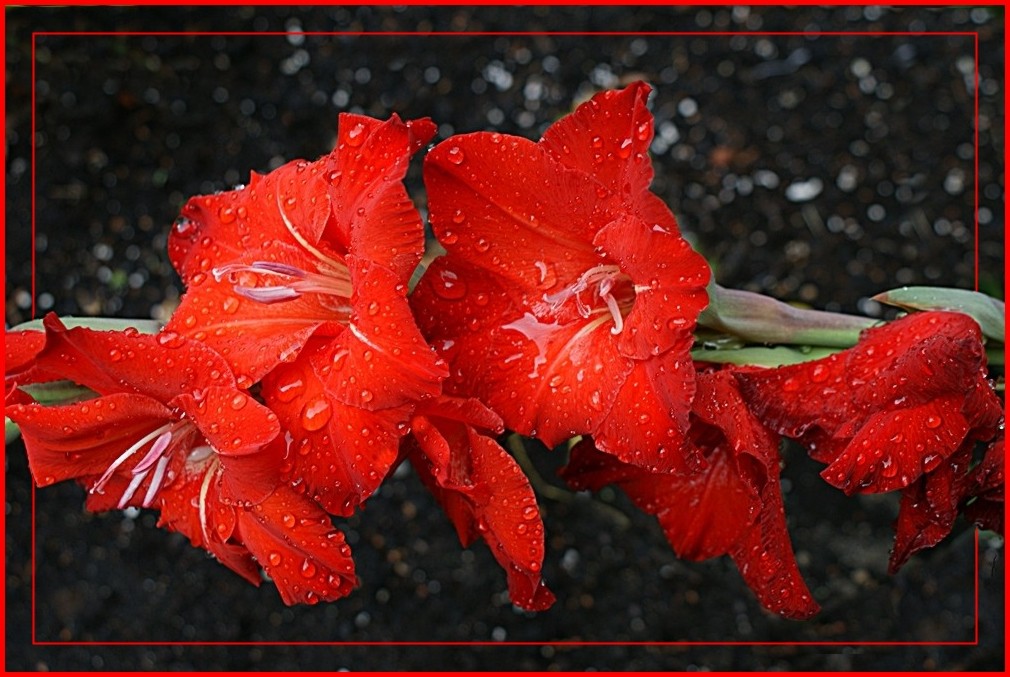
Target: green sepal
(990, 313)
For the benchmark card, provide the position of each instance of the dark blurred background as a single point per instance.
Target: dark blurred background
(820, 169)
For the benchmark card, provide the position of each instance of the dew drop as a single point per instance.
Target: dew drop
(230, 305)
(624, 150)
(308, 569)
(290, 390)
(366, 395)
(356, 135)
(184, 227)
(459, 216)
(239, 401)
(449, 286)
(289, 521)
(455, 155)
(933, 421)
(315, 414)
(275, 559)
(888, 468)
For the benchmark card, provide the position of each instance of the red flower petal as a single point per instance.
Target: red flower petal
(702, 513)
(191, 506)
(642, 429)
(20, 347)
(254, 336)
(83, 439)
(733, 505)
(892, 449)
(215, 229)
(295, 542)
(240, 430)
(340, 451)
(370, 204)
(158, 366)
(548, 379)
(501, 203)
(670, 280)
(928, 509)
(767, 563)
(381, 360)
(484, 492)
(608, 138)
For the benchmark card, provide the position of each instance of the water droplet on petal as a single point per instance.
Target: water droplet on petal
(933, 421)
(455, 155)
(288, 520)
(239, 401)
(289, 390)
(366, 396)
(449, 286)
(356, 135)
(226, 214)
(275, 559)
(315, 414)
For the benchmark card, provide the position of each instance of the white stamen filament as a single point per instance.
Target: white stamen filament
(135, 482)
(331, 281)
(103, 480)
(615, 312)
(202, 503)
(159, 476)
(157, 449)
(337, 265)
(604, 277)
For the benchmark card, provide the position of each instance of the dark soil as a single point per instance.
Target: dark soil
(819, 169)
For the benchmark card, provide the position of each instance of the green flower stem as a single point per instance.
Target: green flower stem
(58, 392)
(761, 319)
(990, 313)
(97, 323)
(762, 357)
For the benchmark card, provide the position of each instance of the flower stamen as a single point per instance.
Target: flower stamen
(605, 279)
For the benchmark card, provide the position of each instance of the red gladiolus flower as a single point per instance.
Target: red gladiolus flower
(733, 505)
(482, 490)
(301, 277)
(568, 298)
(169, 429)
(899, 404)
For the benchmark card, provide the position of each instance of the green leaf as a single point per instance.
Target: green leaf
(990, 313)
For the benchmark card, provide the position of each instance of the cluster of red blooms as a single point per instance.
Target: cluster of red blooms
(297, 373)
